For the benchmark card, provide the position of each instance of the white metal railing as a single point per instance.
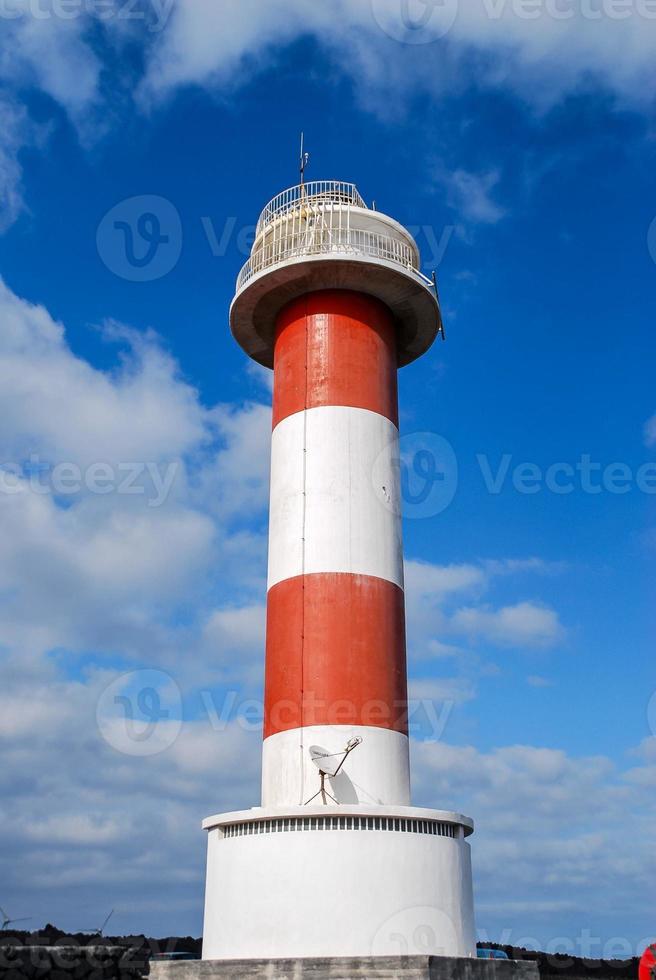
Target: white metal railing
(326, 240)
(316, 192)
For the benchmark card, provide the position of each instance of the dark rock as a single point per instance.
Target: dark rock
(73, 962)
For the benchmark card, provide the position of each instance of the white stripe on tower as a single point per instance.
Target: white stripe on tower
(327, 515)
(335, 661)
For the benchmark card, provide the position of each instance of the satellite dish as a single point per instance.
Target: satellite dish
(325, 761)
(329, 765)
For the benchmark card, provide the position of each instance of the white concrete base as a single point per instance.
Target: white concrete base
(338, 881)
(377, 773)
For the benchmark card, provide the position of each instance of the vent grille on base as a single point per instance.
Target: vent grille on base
(294, 824)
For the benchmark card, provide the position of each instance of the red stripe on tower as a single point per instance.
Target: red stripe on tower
(335, 653)
(335, 348)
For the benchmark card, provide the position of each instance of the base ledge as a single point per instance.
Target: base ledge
(349, 968)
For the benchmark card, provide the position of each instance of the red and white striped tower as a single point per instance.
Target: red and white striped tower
(333, 300)
(335, 655)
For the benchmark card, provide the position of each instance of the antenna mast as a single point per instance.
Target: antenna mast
(440, 329)
(305, 158)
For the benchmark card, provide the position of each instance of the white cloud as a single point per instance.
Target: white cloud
(536, 680)
(262, 375)
(428, 590)
(525, 624)
(470, 194)
(79, 830)
(53, 54)
(218, 46)
(211, 44)
(437, 650)
(64, 409)
(111, 572)
(438, 690)
(83, 826)
(555, 834)
(455, 639)
(434, 594)
(440, 581)
(520, 566)
(95, 572)
(15, 131)
(428, 584)
(236, 483)
(241, 628)
(233, 638)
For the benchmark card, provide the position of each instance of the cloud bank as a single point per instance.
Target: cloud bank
(102, 592)
(537, 50)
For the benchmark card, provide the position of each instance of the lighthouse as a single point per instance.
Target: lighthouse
(335, 861)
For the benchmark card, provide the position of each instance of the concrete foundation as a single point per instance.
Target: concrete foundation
(338, 968)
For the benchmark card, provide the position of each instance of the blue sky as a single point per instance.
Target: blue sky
(522, 153)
